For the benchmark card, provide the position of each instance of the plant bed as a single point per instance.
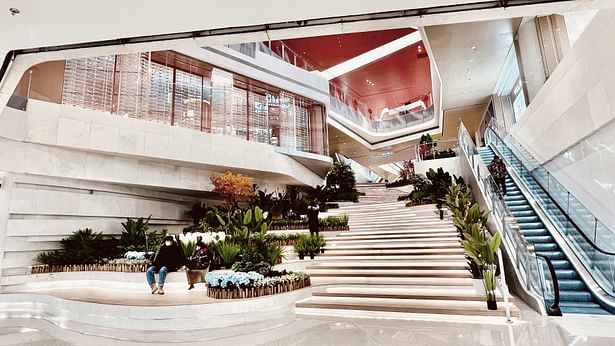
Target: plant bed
(105, 267)
(239, 285)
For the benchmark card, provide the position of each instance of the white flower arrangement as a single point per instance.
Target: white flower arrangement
(207, 237)
(232, 279)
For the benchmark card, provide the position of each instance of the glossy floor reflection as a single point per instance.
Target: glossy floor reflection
(312, 330)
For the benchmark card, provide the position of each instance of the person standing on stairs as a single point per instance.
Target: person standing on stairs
(497, 168)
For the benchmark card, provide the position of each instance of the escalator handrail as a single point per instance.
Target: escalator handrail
(568, 218)
(554, 309)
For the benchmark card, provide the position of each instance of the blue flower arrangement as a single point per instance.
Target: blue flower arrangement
(232, 279)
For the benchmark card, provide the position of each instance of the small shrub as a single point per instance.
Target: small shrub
(227, 252)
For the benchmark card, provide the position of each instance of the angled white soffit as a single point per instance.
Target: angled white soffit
(371, 56)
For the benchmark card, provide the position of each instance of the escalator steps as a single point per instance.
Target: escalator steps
(574, 295)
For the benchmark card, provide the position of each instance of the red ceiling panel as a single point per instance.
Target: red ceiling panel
(396, 79)
(327, 51)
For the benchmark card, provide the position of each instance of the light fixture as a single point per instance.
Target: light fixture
(474, 48)
(14, 11)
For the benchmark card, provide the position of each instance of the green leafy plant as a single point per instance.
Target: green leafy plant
(340, 181)
(275, 254)
(302, 245)
(187, 247)
(265, 201)
(227, 252)
(54, 257)
(133, 234)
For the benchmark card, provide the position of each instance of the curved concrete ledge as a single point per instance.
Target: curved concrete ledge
(152, 318)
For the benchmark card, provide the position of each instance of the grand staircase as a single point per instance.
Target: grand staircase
(574, 294)
(394, 259)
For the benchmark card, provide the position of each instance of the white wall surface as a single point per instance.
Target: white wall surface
(588, 171)
(578, 98)
(38, 211)
(85, 144)
(531, 57)
(449, 164)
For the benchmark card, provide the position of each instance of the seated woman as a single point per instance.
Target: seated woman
(198, 264)
(168, 259)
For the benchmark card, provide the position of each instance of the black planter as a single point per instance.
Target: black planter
(492, 304)
(301, 256)
(441, 214)
(312, 255)
(322, 250)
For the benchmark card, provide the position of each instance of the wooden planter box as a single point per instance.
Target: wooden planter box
(253, 292)
(125, 268)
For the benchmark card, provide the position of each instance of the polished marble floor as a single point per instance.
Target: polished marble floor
(338, 331)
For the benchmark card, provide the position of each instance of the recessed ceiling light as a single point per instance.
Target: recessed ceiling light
(474, 48)
(14, 11)
(471, 61)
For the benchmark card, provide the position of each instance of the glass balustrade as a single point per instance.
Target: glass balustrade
(530, 267)
(591, 240)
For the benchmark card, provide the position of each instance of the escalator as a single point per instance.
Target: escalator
(575, 296)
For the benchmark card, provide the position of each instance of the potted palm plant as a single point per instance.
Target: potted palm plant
(301, 246)
(483, 252)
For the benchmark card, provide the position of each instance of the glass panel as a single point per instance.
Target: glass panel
(188, 100)
(257, 108)
(239, 120)
(221, 101)
(88, 83)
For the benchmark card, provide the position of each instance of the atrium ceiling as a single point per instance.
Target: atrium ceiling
(396, 79)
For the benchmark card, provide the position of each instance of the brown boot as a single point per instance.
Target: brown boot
(154, 288)
(160, 290)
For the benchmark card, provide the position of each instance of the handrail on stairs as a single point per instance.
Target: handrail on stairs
(600, 263)
(522, 253)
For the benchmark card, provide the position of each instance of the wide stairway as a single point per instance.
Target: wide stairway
(574, 296)
(394, 259)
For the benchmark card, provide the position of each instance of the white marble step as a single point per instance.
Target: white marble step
(440, 265)
(405, 231)
(323, 258)
(394, 237)
(384, 252)
(422, 306)
(403, 281)
(338, 242)
(394, 245)
(391, 273)
(446, 293)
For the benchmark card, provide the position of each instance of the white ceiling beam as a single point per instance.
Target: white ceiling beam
(372, 55)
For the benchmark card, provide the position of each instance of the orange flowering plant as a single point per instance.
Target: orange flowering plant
(233, 188)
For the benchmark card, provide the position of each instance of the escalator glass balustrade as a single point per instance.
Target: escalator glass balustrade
(574, 294)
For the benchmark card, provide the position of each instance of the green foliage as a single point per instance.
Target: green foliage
(317, 196)
(54, 257)
(133, 234)
(309, 244)
(440, 182)
(442, 154)
(227, 252)
(341, 183)
(84, 247)
(187, 247)
(291, 203)
(275, 254)
(266, 201)
(301, 245)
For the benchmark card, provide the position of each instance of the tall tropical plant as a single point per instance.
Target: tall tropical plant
(133, 236)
